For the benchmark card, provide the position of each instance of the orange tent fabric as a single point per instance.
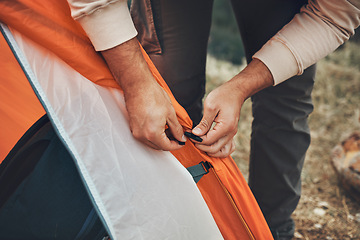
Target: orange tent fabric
(224, 189)
(17, 114)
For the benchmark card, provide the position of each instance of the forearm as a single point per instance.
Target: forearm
(109, 26)
(319, 28)
(148, 106)
(128, 66)
(255, 77)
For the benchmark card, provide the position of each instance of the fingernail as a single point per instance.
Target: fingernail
(193, 136)
(196, 131)
(183, 138)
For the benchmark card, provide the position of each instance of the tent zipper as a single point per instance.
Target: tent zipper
(245, 225)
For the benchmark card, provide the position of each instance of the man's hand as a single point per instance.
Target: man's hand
(222, 106)
(149, 107)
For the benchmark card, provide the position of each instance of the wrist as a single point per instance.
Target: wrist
(128, 66)
(255, 77)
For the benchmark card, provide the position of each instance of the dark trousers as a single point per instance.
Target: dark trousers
(176, 38)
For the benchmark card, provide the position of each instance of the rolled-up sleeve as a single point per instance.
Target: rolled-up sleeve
(107, 23)
(319, 28)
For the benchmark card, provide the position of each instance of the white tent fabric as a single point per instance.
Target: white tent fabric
(139, 193)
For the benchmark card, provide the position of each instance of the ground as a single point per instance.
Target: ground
(326, 210)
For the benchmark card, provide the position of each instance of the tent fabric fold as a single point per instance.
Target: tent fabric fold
(138, 192)
(16, 122)
(78, 92)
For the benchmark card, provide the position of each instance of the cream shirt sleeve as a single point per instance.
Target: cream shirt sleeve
(107, 22)
(319, 28)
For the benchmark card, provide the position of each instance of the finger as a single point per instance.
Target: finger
(156, 139)
(217, 135)
(150, 144)
(144, 140)
(215, 147)
(222, 128)
(175, 128)
(205, 124)
(164, 143)
(225, 151)
(167, 145)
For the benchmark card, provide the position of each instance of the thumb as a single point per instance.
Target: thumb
(175, 128)
(205, 124)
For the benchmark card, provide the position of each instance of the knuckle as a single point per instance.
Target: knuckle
(232, 127)
(204, 123)
(221, 155)
(234, 130)
(149, 134)
(210, 102)
(165, 148)
(142, 134)
(230, 150)
(179, 129)
(209, 106)
(227, 149)
(233, 144)
(213, 149)
(135, 132)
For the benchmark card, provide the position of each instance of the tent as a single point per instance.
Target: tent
(49, 66)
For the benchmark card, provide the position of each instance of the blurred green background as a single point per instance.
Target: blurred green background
(225, 42)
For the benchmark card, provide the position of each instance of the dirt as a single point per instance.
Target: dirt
(326, 210)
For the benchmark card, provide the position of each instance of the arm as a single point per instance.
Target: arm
(110, 28)
(106, 22)
(319, 28)
(222, 106)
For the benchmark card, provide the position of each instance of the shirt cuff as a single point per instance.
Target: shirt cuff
(279, 60)
(109, 26)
